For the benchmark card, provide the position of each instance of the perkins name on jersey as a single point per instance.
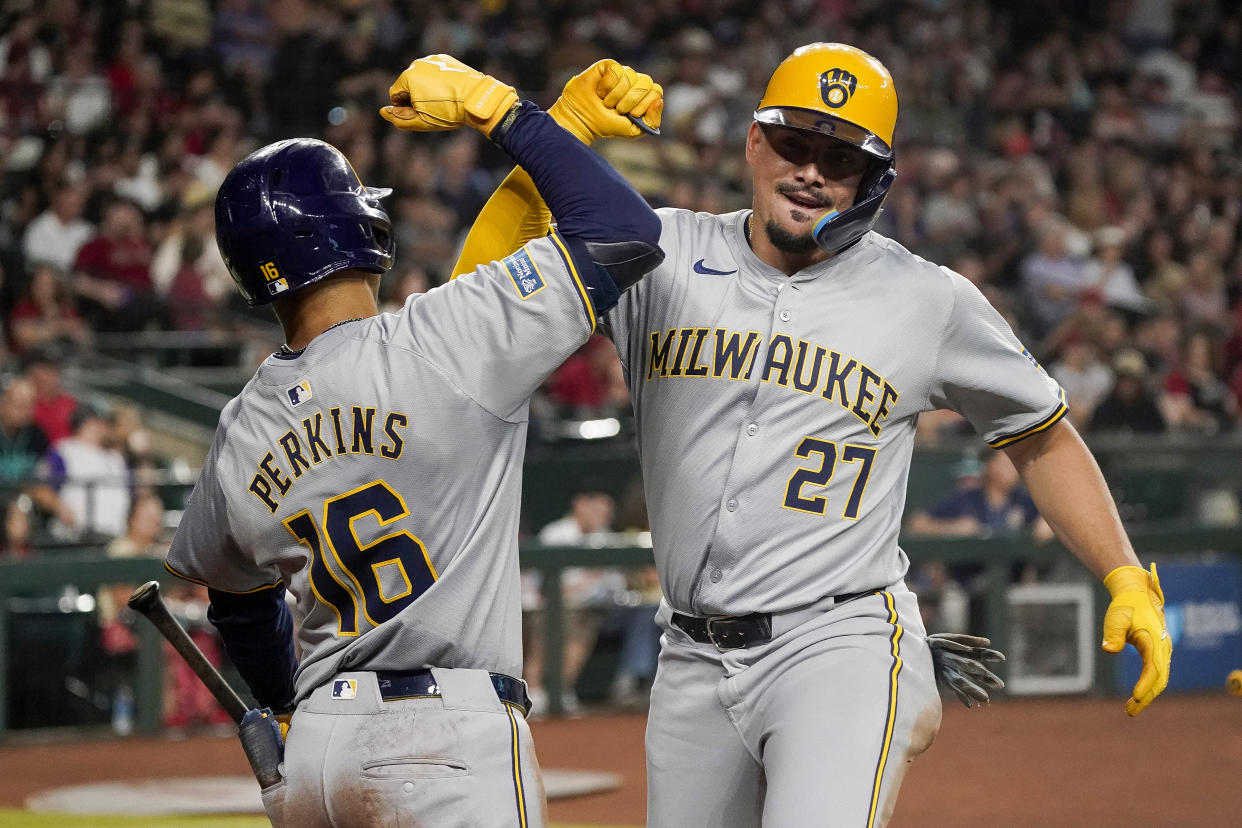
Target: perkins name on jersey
(322, 437)
(801, 365)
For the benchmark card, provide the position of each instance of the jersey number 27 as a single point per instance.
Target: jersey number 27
(820, 475)
(377, 579)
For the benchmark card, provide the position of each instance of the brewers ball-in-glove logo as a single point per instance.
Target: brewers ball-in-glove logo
(836, 86)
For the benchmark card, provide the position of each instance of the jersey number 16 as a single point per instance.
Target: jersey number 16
(380, 578)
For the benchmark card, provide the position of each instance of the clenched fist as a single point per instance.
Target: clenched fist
(605, 100)
(439, 92)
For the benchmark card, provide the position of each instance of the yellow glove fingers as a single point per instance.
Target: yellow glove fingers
(409, 118)
(440, 92)
(1141, 640)
(631, 102)
(1116, 625)
(620, 88)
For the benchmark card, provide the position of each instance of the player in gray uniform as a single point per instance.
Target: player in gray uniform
(372, 468)
(778, 361)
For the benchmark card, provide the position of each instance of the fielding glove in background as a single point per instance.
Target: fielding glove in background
(959, 663)
(439, 92)
(1136, 615)
(595, 103)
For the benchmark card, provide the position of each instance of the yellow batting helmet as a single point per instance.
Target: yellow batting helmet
(845, 93)
(835, 89)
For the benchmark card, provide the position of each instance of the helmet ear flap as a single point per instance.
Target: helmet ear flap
(835, 231)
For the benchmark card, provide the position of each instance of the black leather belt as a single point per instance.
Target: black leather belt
(733, 632)
(414, 684)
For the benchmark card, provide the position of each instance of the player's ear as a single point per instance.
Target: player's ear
(754, 137)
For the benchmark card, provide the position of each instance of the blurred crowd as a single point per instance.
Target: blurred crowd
(1078, 161)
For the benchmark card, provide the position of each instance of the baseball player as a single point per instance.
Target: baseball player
(778, 360)
(372, 467)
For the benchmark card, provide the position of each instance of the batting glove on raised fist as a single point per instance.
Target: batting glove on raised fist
(959, 662)
(439, 92)
(606, 101)
(1136, 615)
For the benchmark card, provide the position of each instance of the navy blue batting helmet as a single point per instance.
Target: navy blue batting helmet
(293, 212)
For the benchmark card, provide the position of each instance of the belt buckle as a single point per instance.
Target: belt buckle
(711, 633)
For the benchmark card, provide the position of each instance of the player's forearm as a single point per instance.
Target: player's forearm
(587, 197)
(257, 629)
(1066, 484)
(514, 215)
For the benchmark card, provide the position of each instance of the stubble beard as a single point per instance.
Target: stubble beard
(787, 242)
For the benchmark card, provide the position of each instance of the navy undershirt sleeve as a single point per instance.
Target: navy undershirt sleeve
(587, 197)
(257, 629)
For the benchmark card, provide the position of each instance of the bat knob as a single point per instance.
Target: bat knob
(144, 596)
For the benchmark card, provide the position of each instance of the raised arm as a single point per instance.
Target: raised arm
(597, 103)
(606, 224)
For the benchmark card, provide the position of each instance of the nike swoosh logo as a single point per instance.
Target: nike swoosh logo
(699, 267)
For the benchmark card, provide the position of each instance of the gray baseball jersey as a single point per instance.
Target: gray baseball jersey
(378, 473)
(776, 414)
(776, 419)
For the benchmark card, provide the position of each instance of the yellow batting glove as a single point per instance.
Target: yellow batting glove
(599, 102)
(1136, 615)
(439, 92)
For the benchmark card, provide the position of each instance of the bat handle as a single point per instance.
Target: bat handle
(641, 124)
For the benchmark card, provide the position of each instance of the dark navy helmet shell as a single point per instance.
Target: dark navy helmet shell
(293, 212)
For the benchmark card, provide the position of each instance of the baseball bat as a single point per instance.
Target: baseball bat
(148, 601)
(257, 729)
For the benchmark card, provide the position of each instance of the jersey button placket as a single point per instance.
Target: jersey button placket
(785, 315)
(752, 429)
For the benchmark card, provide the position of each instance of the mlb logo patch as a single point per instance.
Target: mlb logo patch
(344, 688)
(525, 275)
(277, 287)
(299, 393)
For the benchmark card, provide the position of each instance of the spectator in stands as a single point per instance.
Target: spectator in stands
(143, 538)
(1084, 376)
(1165, 276)
(590, 382)
(634, 622)
(1195, 398)
(56, 234)
(17, 529)
(113, 273)
(54, 406)
(1129, 405)
(1202, 300)
(45, 315)
(1109, 273)
(1052, 280)
(79, 96)
(22, 443)
(187, 268)
(988, 500)
(84, 482)
(586, 590)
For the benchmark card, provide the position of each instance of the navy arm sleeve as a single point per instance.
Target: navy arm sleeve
(610, 230)
(257, 629)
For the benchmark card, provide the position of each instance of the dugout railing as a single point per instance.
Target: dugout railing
(86, 570)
